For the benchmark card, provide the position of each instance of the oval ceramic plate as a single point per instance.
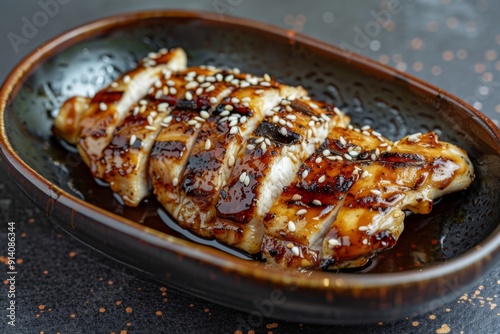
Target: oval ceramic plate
(437, 258)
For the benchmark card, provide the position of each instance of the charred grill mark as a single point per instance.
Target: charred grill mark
(190, 105)
(168, 149)
(271, 131)
(108, 96)
(303, 108)
(398, 160)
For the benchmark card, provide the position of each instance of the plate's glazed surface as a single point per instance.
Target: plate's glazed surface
(438, 256)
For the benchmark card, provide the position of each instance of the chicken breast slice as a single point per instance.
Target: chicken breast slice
(124, 163)
(200, 90)
(406, 176)
(109, 107)
(299, 219)
(220, 139)
(268, 163)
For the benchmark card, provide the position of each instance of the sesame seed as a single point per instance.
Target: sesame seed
(200, 78)
(191, 74)
(229, 78)
(343, 141)
(251, 147)
(219, 77)
(289, 245)
(233, 123)
(291, 97)
(173, 90)
(365, 241)
(175, 182)
(288, 108)
(295, 250)
(365, 174)
(263, 146)
(228, 107)
(114, 84)
(414, 137)
(204, 114)
(208, 144)
(265, 84)
(225, 113)
(267, 77)
(199, 91)
(282, 122)
(213, 100)
(259, 140)
(373, 157)
(338, 111)
(126, 79)
(326, 153)
(366, 133)
(170, 83)
(376, 134)
(376, 192)
(189, 96)
(103, 106)
(365, 128)
(243, 119)
(244, 84)
(363, 228)
(259, 91)
(290, 125)
(301, 212)
(305, 173)
(318, 160)
(158, 94)
(296, 197)
(136, 111)
(235, 100)
(209, 88)
(389, 148)
(247, 180)
(325, 117)
(162, 106)
(191, 85)
(151, 128)
(353, 153)
(283, 131)
(210, 78)
(311, 123)
(192, 122)
(316, 202)
(333, 242)
(133, 138)
(322, 179)
(243, 177)
(234, 130)
(150, 119)
(291, 226)
(231, 161)
(267, 141)
(313, 105)
(350, 127)
(383, 145)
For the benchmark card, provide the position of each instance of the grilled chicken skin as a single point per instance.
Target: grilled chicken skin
(256, 164)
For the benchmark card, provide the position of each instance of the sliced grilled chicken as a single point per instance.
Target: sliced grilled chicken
(244, 159)
(299, 219)
(109, 107)
(320, 221)
(124, 163)
(217, 146)
(409, 176)
(267, 164)
(200, 90)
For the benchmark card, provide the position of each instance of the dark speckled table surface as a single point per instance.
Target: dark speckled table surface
(65, 287)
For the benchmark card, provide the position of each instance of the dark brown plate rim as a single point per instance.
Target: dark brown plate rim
(485, 254)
